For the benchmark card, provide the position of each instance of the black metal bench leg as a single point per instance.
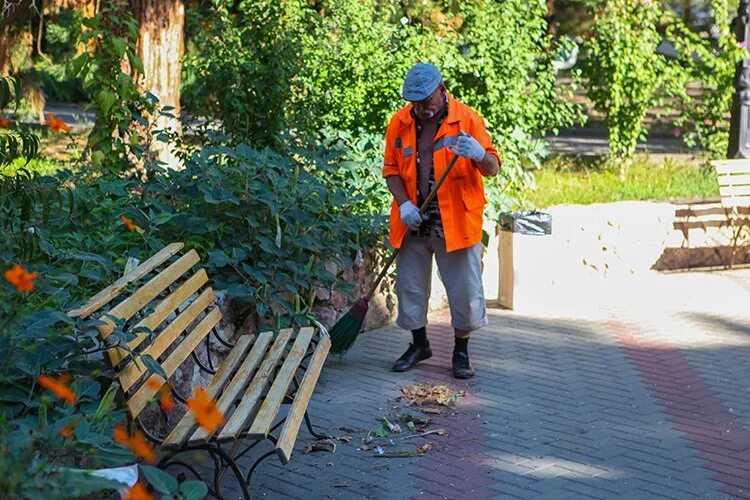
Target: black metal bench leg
(256, 464)
(312, 431)
(226, 458)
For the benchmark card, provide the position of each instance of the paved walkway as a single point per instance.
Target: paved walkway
(643, 393)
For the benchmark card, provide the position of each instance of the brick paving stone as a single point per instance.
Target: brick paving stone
(640, 395)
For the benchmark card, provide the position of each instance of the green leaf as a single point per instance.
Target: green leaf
(119, 45)
(382, 430)
(160, 480)
(218, 258)
(162, 218)
(135, 61)
(106, 403)
(193, 490)
(153, 366)
(106, 100)
(4, 92)
(76, 65)
(485, 238)
(90, 22)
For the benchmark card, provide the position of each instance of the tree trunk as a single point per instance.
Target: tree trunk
(552, 23)
(86, 7)
(160, 47)
(15, 38)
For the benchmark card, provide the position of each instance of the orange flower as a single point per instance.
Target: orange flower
(137, 443)
(155, 381)
(5, 122)
(165, 393)
(139, 492)
(67, 432)
(129, 224)
(121, 435)
(58, 387)
(165, 399)
(142, 448)
(21, 278)
(56, 124)
(207, 415)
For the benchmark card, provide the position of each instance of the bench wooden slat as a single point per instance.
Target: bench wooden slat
(272, 404)
(738, 166)
(133, 371)
(736, 201)
(105, 296)
(290, 429)
(187, 424)
(131, 305)
(140, 399)
(238, 383)
(734, 180)
(161, 312)
(731, 191)
(250, 402)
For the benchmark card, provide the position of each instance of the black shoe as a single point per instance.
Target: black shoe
(413, 355)
(461, 366)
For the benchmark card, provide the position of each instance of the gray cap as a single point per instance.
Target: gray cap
(421, 81)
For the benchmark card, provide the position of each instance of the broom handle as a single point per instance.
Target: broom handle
(422, 209)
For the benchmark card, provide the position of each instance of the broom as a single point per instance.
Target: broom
(345, 331)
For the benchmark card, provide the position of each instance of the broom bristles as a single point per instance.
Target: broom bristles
(345, 331)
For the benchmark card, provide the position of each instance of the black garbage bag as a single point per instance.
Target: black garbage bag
(533, 223)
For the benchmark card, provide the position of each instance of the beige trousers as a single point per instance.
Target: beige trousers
(461, 274)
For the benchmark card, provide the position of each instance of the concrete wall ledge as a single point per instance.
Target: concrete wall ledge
(602, 245)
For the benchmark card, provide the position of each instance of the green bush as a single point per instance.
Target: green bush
(268, 68)
(626, 75)
(623, 70)
(275, 227)
(710, 63)
(49, 238)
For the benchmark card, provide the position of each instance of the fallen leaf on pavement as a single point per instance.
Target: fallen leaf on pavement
(351, 430)
(424, 448)
(422, 394)
(382, 430)
(322, 445)
(414, 419)
(340, 485)
(439, 432)
(345, 439)
(398, 454)
(432, 411)
(451, 400)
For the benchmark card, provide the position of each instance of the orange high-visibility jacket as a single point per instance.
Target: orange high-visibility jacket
(461, 197)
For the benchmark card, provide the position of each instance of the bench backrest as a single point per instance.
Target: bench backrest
(733, 177)
(172, 300)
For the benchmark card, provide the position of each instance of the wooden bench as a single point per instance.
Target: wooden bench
(258, 375)
(733, 177)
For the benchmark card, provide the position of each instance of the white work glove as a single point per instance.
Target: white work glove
(468, 147)
(410, 215)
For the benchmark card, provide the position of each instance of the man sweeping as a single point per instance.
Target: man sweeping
(420, 141)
